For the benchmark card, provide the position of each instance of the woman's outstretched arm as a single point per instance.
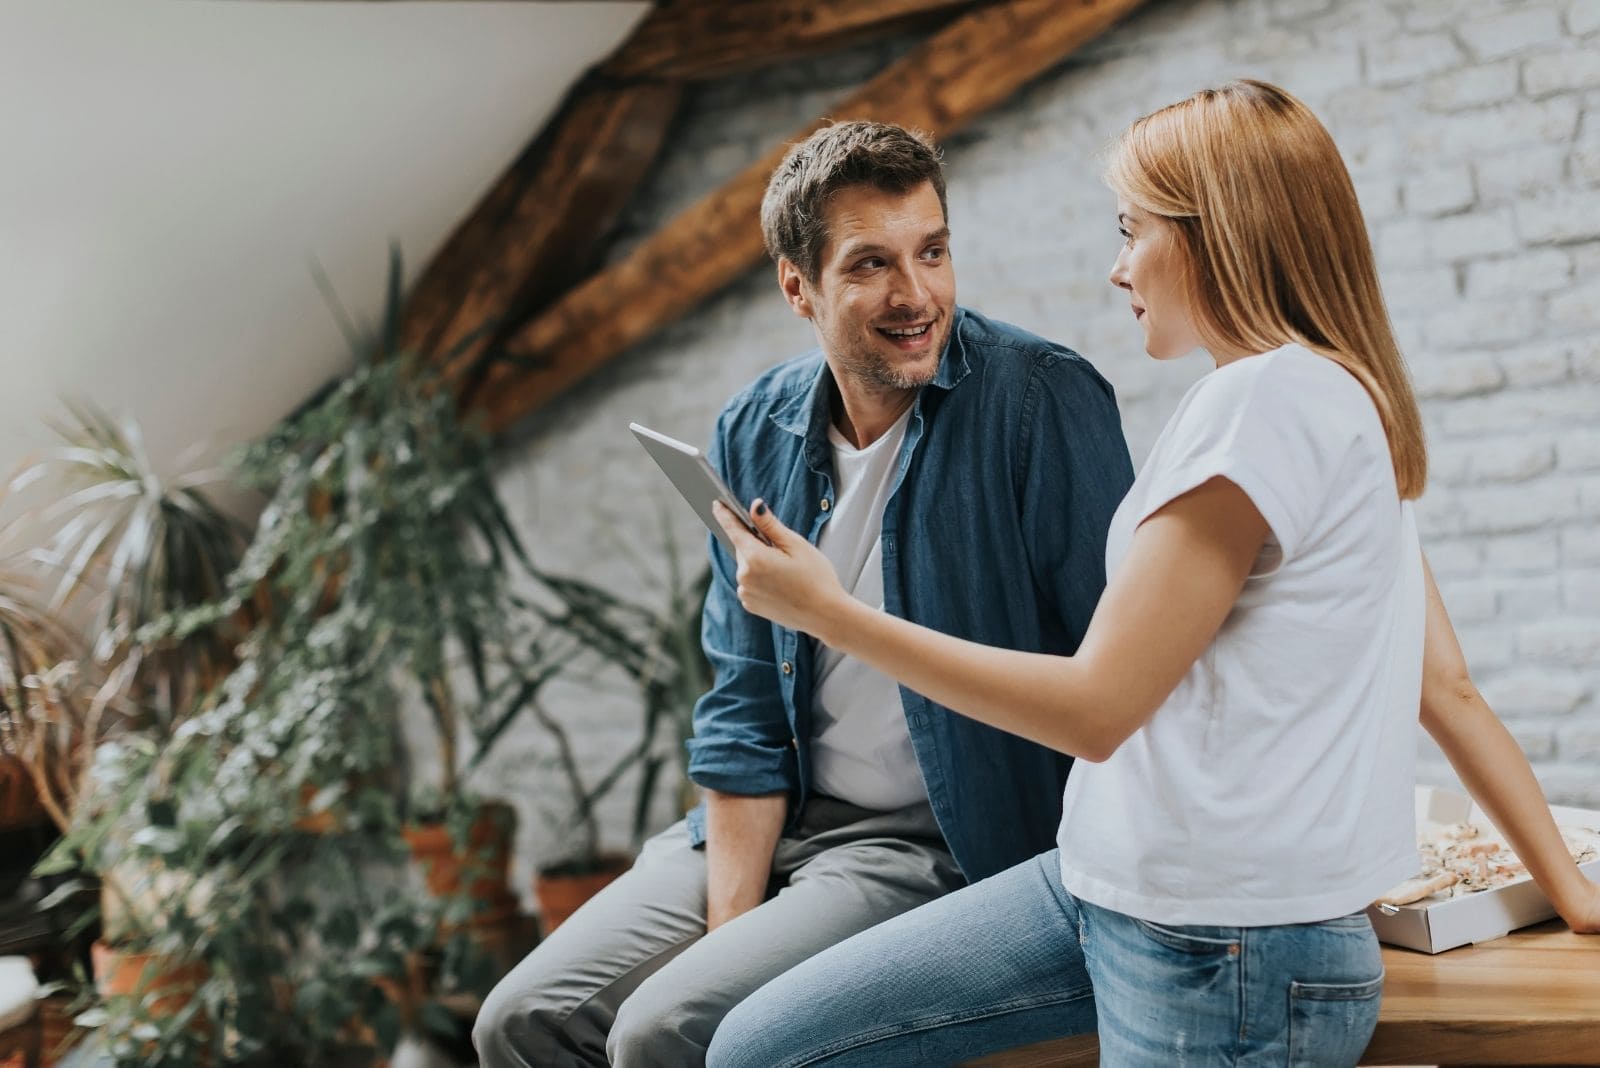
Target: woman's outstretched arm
(1496, 772)
(1183, 572)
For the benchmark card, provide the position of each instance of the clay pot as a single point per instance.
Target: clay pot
(562, 891)
(60, 1033)
(19, 799)
(486, 858)
(313, 822)
(168, 986)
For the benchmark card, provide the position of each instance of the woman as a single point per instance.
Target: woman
(1245, 699)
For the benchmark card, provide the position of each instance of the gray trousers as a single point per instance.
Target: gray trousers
(634, 977)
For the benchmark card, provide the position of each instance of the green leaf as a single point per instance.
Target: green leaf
(61, 894)
(59, 859)
(92, 1018)
(439, 1021)
(341, 929)
(386, 1026)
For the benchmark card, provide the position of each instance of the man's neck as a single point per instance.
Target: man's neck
(864, 413)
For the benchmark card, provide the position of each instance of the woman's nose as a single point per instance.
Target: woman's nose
(1119, 272)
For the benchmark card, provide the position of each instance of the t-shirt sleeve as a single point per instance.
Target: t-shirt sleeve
(1262, 431)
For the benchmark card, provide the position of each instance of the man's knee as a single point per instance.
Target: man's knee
(659, 1027)
(516, 1028)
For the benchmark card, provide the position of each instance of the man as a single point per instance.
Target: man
(957, 471)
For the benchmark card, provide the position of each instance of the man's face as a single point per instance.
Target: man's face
(886, 290)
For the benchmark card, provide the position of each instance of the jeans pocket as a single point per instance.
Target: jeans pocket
(1188, 940)
(1330, 1024)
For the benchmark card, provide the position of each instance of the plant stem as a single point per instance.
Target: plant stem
(569, 764)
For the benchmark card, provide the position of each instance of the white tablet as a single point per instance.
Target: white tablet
(686, 467)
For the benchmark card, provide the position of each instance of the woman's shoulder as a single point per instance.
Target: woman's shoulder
(1285, 364)
(1290, 406)
(1291, 383)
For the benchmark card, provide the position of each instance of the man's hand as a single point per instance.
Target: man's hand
(741, 834)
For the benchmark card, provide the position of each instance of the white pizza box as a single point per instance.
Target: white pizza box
(1435, 926)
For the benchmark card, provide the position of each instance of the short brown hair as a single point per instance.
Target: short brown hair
(876, 154)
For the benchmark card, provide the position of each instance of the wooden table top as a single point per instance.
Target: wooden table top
(1532, 997)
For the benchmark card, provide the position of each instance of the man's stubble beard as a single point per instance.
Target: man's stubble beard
(867, 366)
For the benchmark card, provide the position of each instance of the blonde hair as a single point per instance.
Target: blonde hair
(1275, 245)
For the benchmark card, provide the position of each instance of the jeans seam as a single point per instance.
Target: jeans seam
(1351, 991)
(1181, 942)
(1244, 990)
(867, 1038)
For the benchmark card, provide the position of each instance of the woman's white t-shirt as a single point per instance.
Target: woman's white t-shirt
(1275, 785)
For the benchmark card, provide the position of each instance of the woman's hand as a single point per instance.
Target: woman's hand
(789, 581)
(1583, 915)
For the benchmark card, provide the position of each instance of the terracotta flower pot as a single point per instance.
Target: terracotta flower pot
(19, 799)
(313, 822)
(562, 891)
(167, 986)
(484, 863)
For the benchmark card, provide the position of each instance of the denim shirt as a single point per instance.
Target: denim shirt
(1012, 464)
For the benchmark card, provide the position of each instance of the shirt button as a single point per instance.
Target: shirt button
(794, 743)
(787, 668)
(1233, 950)
(826, 504)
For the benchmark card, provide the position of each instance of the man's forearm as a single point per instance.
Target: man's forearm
(741, 834)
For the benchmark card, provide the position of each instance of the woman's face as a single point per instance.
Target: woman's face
(1150, 267)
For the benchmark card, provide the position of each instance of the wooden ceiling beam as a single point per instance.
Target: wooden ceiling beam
(540, 227)
(694, 40)
(975, 63)
(541, 224)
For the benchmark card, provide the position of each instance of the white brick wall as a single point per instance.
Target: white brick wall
(1473, 132)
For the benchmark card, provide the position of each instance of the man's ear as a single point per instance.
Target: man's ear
(792, 282)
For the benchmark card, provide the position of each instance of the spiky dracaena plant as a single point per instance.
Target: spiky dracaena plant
(128, 547)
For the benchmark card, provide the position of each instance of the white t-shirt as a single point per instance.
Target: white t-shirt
(1275, 784)
(860, 744)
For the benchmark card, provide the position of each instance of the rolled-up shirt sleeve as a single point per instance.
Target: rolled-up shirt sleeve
(742, 738)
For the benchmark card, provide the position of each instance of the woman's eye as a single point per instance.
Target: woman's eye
(1127, 238)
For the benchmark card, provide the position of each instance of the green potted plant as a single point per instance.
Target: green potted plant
(264, 946)
(655, 645)
(125, 547)
(39, 775)
(385, 531)
(130, 546)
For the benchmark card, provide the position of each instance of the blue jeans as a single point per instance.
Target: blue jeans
(1015, 959)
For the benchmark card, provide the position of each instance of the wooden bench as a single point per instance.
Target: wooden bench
(1532, 997)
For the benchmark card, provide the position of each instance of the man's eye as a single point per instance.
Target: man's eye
(935, 252)
(869, 263)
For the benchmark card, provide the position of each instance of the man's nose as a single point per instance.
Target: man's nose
(909, 290)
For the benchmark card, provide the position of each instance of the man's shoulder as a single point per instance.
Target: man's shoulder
(778, 385)
(1008, 352)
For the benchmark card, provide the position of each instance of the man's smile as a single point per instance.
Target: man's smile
(909, 336)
